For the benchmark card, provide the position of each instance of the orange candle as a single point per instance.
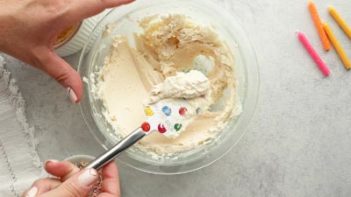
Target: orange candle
(318, 24)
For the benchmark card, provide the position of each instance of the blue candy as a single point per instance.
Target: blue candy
(167, 111)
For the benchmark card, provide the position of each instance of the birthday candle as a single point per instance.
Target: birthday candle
(340, 51)
(341, 22)
(318, 24)
(317, 59)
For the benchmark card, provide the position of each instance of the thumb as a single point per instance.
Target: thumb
(83, 9)
(76, 186)
(63, 73)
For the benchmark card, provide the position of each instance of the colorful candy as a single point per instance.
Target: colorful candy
(198, 110)
(167, 111)
(146, 127)
(178, 126)
(182, 111)
(162, 118)
(148, 111)
(161, 128)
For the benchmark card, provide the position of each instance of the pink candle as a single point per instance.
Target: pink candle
(317, 59)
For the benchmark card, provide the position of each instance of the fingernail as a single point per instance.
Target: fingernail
(50, 161)
(72, 95)
(88, 177)
(32, 192)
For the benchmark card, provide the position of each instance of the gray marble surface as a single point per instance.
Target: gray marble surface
(298, 144)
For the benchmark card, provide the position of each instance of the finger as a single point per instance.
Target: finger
(61, 71)
(64, 169)
(42, 186)
(78, 185)
(110, 177)
(83, 9)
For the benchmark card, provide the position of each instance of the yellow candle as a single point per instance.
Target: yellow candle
(341, 22)
(337, 46)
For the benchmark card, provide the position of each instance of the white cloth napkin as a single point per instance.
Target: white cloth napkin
(19, 162)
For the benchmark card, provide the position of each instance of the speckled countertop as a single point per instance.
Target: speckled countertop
(298, 144)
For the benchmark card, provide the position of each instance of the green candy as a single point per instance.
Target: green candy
(177, 127)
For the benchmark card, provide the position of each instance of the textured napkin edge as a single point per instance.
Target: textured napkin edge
(20, 105)
(17, 101)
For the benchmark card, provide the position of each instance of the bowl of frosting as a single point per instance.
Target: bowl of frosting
(153, 50)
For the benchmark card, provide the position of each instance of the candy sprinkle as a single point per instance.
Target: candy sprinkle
(145, 127)
(161, 128)
(198, 110)
(167, 111)
(182, 111)
(177, 126)
(148, 111)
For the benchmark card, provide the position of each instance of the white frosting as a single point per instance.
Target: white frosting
(155, 71)
(183, 85)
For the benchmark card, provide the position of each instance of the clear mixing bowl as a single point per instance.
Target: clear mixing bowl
(124, 21)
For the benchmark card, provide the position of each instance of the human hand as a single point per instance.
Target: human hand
(71, 182)
(28, 30)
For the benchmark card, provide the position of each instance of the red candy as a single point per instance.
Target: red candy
(161, 128)
(182, 111)
(145, 127)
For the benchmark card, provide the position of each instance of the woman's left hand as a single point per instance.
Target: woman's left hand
(29, 29)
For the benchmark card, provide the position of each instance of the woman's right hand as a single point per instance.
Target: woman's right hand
(71, 182)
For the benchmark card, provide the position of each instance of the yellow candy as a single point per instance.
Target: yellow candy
(148, 111)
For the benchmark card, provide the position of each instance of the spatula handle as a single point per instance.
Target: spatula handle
(112, 153)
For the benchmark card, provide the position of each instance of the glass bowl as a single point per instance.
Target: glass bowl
(123, 20)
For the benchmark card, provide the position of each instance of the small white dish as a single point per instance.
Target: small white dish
(79, 158)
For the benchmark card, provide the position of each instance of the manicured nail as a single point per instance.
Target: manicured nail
(50, 161)
(72, 95)
(88, 177)
(32, 192)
